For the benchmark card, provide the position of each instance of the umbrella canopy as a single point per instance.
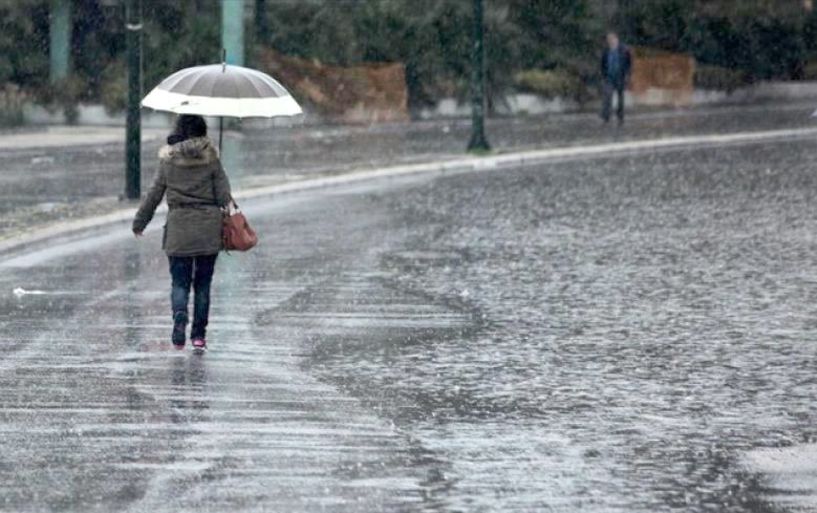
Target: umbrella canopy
(222, 90)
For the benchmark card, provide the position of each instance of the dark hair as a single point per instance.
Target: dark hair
(187, 127)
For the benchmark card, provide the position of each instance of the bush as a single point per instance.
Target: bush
(655, 23)
(23, 40)
(810, 32)
(114, 87)
(776, 49)
(714, 41)
(64, 94)
(433, 38)
(764, 48)
(11, 105)
(719, 79)
(810, 70)
(550, 83)
(178, 35)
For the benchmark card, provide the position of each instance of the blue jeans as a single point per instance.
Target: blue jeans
(609, 89)
(196, 272)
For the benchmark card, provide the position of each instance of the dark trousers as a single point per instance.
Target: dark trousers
(196, 272)
(608, 90)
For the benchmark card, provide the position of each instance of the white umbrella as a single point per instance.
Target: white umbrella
(222, 90)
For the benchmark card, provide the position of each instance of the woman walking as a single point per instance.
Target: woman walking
(197, 188)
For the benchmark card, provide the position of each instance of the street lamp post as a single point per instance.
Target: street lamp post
(133, 135)
(478, 140)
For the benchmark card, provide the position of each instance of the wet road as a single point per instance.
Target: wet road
(586, 335)
(44, 184)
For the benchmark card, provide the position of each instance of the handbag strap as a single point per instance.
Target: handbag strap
(234, 205)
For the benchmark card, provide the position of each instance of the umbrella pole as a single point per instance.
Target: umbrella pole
(221, 118)
(220, 132)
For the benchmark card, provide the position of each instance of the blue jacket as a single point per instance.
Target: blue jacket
(625, 66)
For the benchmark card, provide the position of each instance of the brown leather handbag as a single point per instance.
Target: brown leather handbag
(236, 232)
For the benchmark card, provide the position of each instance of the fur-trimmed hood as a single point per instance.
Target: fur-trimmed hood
(198, 151)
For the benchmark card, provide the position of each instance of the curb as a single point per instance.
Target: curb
(456, 165)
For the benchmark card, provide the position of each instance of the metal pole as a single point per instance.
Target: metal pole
(478, 140)
(133, 135)
(220, 132)
(221, 118)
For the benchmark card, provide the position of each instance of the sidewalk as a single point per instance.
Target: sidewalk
(59, 174)
(66, 136)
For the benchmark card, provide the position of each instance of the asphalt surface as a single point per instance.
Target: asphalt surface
(607, 334)
(60, 180)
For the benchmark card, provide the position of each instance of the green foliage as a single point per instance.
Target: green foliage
(555, 33)
(764, 43)
(114, 86)
(11, 105)
(714, 41)
(179, 34)
(776, 49)
(764, 48)
(654, 23)
(98, 38)
(24, 43)
(433, 38)
(551, 83)
(810, 32)
(719, 79)
(810, 70)
(551, 46)
(64, 94)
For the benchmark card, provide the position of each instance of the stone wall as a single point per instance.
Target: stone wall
(357, 94)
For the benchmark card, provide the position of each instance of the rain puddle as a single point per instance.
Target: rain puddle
(789, 475)
(629, 330)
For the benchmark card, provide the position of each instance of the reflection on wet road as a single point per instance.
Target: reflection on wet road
(599, 335)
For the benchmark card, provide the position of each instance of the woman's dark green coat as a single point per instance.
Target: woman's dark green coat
(191, 175)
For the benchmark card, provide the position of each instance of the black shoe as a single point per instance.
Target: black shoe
(179, 336)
